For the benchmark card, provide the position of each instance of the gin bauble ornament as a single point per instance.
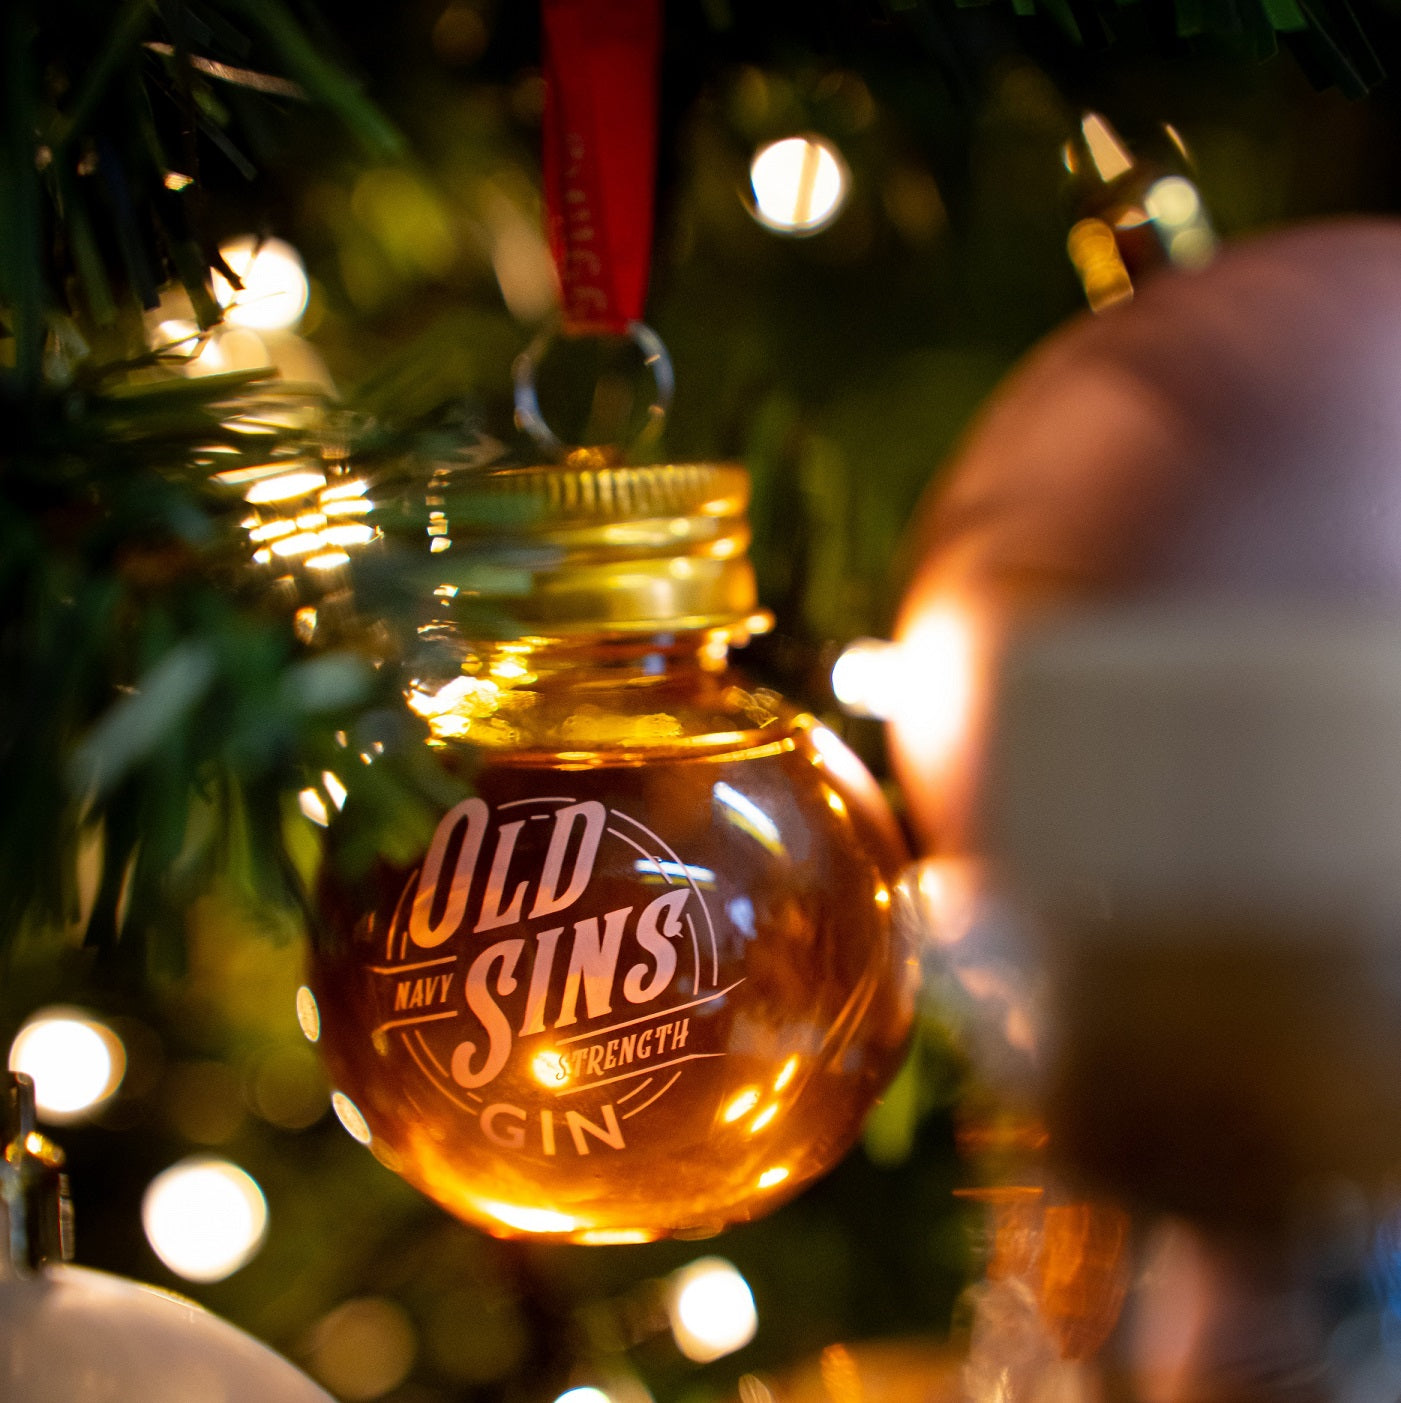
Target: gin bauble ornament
(642, 980)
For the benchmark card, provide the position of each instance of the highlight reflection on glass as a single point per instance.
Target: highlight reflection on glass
(740, 1105)
(308, 1014)
(765, 1117)
(204, 1218)
(76, 1062)
(786, 1073)
(674, 871)
(549, 1069)
(348, 1113)
(711, 1309)
(527, 1219)
(747, 815)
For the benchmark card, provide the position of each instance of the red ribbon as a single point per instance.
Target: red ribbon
(600, 154)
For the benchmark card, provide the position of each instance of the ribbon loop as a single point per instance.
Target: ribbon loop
(600, 150)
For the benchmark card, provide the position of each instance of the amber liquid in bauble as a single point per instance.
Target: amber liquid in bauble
(643, 981)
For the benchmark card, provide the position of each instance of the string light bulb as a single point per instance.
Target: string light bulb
(76, 1062)
(275, 289)
(866, 677)
(204, 1218)
(800, 184)
(711, 1309)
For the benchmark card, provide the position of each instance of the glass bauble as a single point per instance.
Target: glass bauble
(629, 990)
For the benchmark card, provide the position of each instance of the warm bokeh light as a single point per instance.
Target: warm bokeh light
(933, 704)
(946, 894)
(286, 1086)
(771, 1177)
(586, 1394)
(711, 1309)
(353, 533)
(181, 340)
(1175, 207)
(344, 491)
(866, 678)
(1107, 151)
(327, 560)
(363, 1348)
(285, 486)
(1094, 251)
(800, 184)
(752, 1389)
(348, 1113)
(300, 543)
(302, 518)
(204, 1218)
(335, 790)
(1174, 200)
(76, 1062)
(204, 1101)
(275, 290)
(314, 807)
(520, 257)
(924, 681)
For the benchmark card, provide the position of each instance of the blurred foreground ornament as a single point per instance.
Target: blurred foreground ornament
(644, 981)
(1172, 546)
(69, 1335)
(1055, 1283)
(1169, 453)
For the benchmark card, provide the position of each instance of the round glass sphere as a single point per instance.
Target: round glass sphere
(641, 987)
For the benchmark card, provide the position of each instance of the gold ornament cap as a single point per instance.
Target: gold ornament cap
(594, 546)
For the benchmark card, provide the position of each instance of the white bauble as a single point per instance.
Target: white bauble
(70, 1335)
